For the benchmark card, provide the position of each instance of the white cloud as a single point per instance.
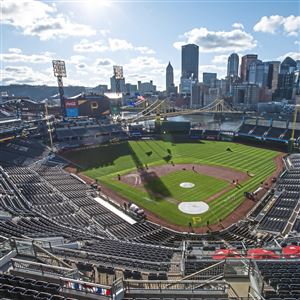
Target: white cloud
(104, 62)
(112, 44)
(118, 44)
(297, 43)
(146, 68)
(178, 45)
(83, 71)
(293, 55)
(16, 55)
(272, 24)
(104, 32)
(102, 67)
(268, 24)
(37, 18)
(238, 26)
(292, 25)
(220, 59)
(145, 50)
(218, 41)
(145, 62)
(25, 75)
(220, 70)
(22, 13)
(76, 59)
(58, 27)
(81, 66)
(87, 46)
(14, 50)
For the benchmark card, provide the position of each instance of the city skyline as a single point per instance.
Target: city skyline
(136, 36)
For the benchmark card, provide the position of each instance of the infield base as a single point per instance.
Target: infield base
(187, 185)
(193, 208)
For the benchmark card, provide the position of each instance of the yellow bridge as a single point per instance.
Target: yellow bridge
(163, 108)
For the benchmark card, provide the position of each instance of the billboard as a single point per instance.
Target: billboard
(72, 112)
(90, 106)
(71, 103)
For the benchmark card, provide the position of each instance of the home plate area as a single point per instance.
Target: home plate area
(193, 208)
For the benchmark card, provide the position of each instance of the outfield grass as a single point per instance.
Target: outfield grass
(104, 162)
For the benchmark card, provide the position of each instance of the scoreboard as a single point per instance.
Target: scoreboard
(91, 106)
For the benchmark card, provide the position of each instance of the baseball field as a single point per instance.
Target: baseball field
(159, 175)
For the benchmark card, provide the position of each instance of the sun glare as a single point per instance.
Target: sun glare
(97, 3)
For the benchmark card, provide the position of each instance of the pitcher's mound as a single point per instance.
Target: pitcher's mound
(186, 185)
(193, 208)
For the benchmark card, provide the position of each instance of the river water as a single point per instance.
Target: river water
(203, 121)
(207, 121)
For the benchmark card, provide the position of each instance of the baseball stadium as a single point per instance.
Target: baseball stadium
(94, 205)
(106, 211)
(201, 184)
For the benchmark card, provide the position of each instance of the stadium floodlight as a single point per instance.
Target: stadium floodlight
(118, 72)
(59, 68)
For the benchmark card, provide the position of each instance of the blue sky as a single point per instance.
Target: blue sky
(142, 36)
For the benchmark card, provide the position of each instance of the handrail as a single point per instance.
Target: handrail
(111, 256)
(17, 260)
(208, 281)
(203, 270)
(200, 271)
(52, 256)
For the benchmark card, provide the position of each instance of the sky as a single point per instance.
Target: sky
(142, 36)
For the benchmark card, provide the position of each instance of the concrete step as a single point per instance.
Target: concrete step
(240, 286)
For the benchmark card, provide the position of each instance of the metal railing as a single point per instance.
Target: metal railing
(43, 269)
(209, 274)
(168, 286)
(236, 267)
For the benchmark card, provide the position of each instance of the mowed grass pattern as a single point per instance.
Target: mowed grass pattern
(105, 162)
(205, 186)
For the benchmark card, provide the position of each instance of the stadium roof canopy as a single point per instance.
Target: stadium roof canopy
(113, 95)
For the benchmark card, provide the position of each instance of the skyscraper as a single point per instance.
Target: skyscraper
(288, 65)
(113, 85)
(246, 61)
(169, 77)
(261, 73)
(190, 62)
(255, 72)
(209, 79)
(275, 73)
(233, 65)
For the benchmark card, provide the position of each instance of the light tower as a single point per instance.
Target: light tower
(295, 121)
(118, 73)
(59, 70)
(292, 141)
